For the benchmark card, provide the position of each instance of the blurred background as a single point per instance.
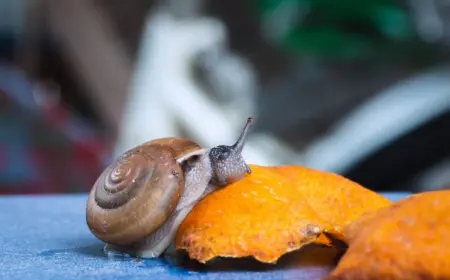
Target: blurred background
(359, 88)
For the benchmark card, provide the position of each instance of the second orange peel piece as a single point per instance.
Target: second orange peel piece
(271, 212)
(407, 240)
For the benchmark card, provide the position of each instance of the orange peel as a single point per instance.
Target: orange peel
(273, 211)
(407, 240)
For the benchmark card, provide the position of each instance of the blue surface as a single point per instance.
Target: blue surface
(47, 238)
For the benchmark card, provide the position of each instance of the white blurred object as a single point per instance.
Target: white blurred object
(381, 119)
(231, 79)
(165, 97)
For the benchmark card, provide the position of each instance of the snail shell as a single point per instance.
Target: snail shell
(135, 195)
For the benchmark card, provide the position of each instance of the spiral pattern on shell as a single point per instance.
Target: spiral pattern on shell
(121, 179)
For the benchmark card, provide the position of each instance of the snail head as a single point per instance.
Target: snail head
(227, 162)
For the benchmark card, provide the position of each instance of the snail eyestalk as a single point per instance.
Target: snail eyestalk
(239, 145)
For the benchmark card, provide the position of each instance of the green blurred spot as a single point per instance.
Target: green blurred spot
(393, 23)
(327, 42)
(342, 28)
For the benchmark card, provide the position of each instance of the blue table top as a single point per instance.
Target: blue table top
(46, 237)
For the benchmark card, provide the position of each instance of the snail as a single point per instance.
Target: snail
(138, 202)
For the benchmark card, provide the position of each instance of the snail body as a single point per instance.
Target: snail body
(138, 202)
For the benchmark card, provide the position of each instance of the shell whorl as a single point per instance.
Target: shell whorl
(120, 181)
(137, 193)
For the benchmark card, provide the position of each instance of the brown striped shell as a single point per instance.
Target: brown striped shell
(136, 194)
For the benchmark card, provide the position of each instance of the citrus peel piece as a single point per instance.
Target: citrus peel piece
(407, 240)
(273, 211)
